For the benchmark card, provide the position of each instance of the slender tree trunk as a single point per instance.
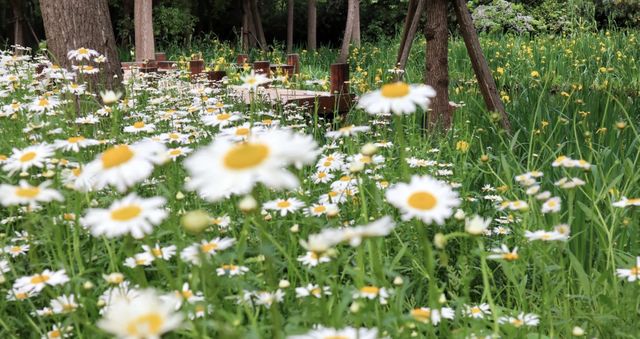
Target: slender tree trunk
(258, 24)
(290, 26)
(348, 33)
(72, 24)
(437, 62)
(18, 27)
(355, 34)
(143, 20)
(247, 26)
(311, 25)
(411, 12)
(410, 36)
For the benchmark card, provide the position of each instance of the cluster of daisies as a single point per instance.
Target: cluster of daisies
(172, 151)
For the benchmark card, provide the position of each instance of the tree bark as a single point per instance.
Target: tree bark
(411, 11)
(72, 24)
(143, 21)
(437, 63)
(348, 33)
(311, 25)
(355, 34)
(410, 36)
(290, 26)
(18, 27)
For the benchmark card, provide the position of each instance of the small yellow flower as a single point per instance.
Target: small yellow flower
(462, 146)
(535, 74)
(500, 70)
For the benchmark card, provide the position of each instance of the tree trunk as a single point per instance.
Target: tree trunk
(410, 36)
(411, 12)
(437, 62)
(355, 34)
(258, 24)
(18, 17)
(348, 33)
(311, 25)
(290, 26)
(143, 20)
(72, 24)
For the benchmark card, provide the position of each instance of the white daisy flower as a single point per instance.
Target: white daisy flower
(231, 270)
(504, 253)
(312, 290)
(552, 205)
(205, 249)
(477, 311)
(627, 202)
(398, 97)
(631, 274)
(132, 214)
(425, 198)
(221, 120)
(347, 131)
(64, 304)
(175, 153)
(74, 143)
(522, 319)
(261, 159)
(345, 333)
(25, 194)
(372, 292)
(32, 156)
(284, 206)
(145, 316)
(164, 253)
(123, 166)
(82, 53)
(432, 316)
(37, 282)
(313, 259)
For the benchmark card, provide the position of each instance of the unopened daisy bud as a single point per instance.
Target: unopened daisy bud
(577, 331)
(101, 303)
(484, 158)
(248, 203)
(356, 167)
(398, 281)
(332, 211)
(87, 285)
(476, 225)
(295, 228)
(442, 299)
(459, 215)
(23, 174)
(179, 196)
(284, 283)
(354, 308)
(440, 241)
(621, 125)
(48, 174)
(110, 97)
(2, 279)
(267, 217)
(195, 221)
(369, 149)
(114, 278)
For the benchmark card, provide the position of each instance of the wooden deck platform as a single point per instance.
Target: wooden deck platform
(325, 101)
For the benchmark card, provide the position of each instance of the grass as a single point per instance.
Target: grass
(566, 95)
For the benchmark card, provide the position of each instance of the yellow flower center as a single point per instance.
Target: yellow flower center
(242, 131)
(156, 252)
(174, 136)
(116, 156)
(370, 290)
(476, 310)
(28, 156)
(146, 324)
(395, 90)
(54, 334)
(74, 140)
(139, 124)
(316, 291)
(76, 171)
(319, 209)
(126, 213)
(175, 152)
(229, 267)
(223, 116)
(283, 204)
(635, 271)
(517, 322)
(39, 279)
(510, 256)
(27, 192)
(83, 51)
(208, 247)
(422, 200)
(336, 337)
(187, 294)
(246, 155)
(421, 314)
(43, 102)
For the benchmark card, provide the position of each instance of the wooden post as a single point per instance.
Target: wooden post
(339, 78)
(161, 56)
(410, 36)
(262, 67)
(290, 14)
(143, 22)
(294, 60)
(242, 59)
(437, 63)
(480, 67)
(196, 67)
(411, 12)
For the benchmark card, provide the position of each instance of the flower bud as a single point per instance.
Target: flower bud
(195, 221)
